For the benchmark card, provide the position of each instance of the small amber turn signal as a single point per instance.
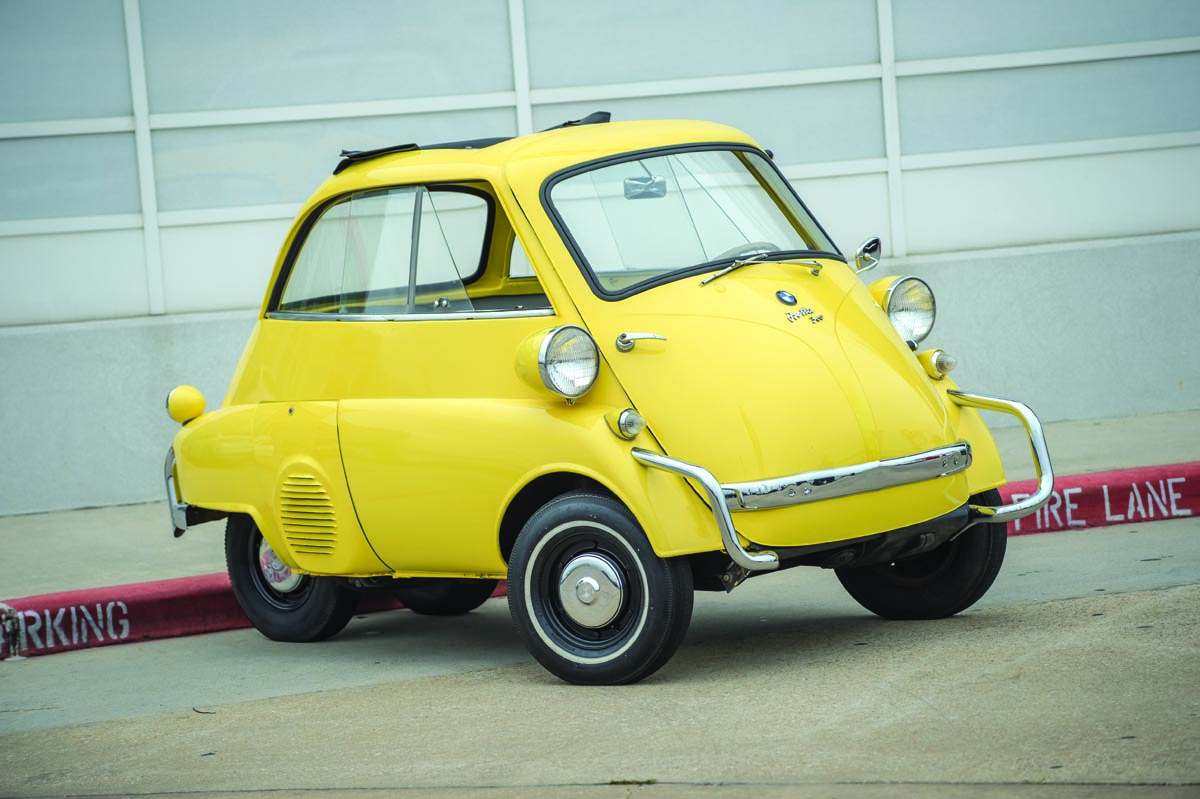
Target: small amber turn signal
(937, 363)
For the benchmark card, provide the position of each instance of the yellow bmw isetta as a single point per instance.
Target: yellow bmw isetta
(612, 363)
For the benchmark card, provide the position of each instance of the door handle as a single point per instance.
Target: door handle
(625, 341)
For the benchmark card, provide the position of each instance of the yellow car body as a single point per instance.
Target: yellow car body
(413, 436)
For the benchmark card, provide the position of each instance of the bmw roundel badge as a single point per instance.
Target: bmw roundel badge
(785, 297)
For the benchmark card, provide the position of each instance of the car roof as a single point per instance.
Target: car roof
(574, 143)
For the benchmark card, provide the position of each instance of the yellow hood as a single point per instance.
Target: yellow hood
(750, 386)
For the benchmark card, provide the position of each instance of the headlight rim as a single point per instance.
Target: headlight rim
(887, 303)
(543, 365)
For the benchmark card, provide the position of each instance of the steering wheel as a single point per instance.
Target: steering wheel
(748, 248)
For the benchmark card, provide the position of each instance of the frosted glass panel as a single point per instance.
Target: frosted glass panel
(221, 54)
(219, 267)
(1034, 202)
(802, 124)
(1101, 100)
(62, 59)
(851, 208)
(581, 42)
(947, 28)
(284, 162)
(73, 276)
(68, 176)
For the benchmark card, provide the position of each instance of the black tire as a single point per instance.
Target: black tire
(608, 631)
(935, 584)
(443, 597)
(283, 606)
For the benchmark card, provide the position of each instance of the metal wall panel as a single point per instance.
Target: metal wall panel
(955, 28)
(62, 59)
(1037, 105)
(222, 54)
(802, 124)
(581, 42)
(219, 266)
(68, 176)
(246, 165)
(93, 275)
(1055, 199)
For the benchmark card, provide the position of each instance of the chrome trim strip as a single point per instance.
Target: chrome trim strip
(422, 317)
(178, 509)
(1037, 444)
(797, 489)
(753, 561)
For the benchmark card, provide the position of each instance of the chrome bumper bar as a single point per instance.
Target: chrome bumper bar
(797, 489)
(178, 509)
(753, 561)
(184, 515)
(1037, 444)
(726, 499)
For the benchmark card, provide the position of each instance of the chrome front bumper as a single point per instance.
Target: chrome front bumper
(1037, 446)
(796, 489)
(178, 509)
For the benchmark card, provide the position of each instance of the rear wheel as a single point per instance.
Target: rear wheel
(443, 597)
(935, 584)
(282, 605)
(590, 599)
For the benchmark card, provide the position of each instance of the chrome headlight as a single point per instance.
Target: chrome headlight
(910, 305)
(568, 361)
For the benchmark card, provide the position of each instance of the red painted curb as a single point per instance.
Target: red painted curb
(61, 622)
(121, 614)
(1123, 496)
(124, 614)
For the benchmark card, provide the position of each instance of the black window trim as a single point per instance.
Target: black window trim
(306, 228)
(669, 277)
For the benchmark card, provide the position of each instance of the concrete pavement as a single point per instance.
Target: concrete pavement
(92, 686)
(784, 688)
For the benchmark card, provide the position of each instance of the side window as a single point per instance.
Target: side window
(393, 251)
(518, 261)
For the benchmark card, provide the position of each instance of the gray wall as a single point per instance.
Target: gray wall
(1035, 161)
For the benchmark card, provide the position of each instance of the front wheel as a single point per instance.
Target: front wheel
(282, 605)
(590, 599)
(933, 585)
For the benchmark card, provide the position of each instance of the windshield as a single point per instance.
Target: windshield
(642, 222)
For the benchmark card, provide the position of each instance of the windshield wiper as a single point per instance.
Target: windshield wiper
(761, 258)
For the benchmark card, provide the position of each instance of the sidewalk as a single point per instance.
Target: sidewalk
(68, 551)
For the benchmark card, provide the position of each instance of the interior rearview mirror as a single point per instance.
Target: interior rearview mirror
(645, 187)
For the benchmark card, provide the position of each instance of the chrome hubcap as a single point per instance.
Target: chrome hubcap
(275, 571)
(591, 590)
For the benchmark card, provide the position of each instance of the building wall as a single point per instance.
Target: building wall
(1035, 160)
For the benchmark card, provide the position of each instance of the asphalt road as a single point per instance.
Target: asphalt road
(1078, 675)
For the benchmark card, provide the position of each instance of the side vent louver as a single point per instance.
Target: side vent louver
(306, 514)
